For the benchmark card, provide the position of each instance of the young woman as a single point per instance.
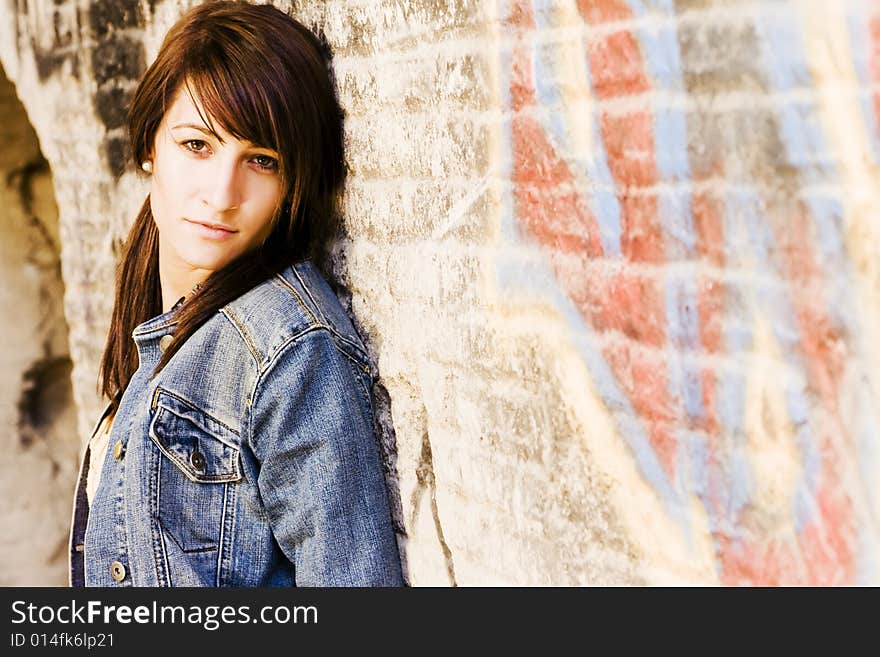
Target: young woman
(237, 448)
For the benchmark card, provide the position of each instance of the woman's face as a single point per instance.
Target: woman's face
(212, 196)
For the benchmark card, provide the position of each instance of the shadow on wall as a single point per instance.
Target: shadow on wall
(37, 414)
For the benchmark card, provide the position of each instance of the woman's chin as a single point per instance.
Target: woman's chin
(208, 262)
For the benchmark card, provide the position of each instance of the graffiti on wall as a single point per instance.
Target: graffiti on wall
(677, 196)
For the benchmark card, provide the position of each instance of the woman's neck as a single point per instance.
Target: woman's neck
(178, 283)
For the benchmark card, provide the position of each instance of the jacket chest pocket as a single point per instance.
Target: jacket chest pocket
(197, 461)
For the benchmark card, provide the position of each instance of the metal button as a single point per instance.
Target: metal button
(117, 571)
(118, 450)
(197, 460)
(165, 342)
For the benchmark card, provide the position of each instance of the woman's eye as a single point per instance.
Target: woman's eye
(266, 162)
(195, 145)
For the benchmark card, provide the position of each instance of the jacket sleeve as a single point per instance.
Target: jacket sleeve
(320, 476)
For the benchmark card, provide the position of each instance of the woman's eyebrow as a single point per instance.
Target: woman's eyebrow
(205, 130)
(198, 127)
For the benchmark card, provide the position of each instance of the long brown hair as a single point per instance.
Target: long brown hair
(263, 77)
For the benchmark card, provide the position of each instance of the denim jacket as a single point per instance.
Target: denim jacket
(249, 460)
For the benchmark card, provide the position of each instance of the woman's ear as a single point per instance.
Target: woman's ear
(146, 164)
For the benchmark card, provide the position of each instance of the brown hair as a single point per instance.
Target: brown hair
(263, 77)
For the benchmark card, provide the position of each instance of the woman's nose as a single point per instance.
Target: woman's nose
(222, 190)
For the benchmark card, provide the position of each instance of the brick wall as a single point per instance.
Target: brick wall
(616, 262)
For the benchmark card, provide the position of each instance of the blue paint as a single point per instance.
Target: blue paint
(663, 62)
(805, 438)
(867, 434)
(776, 305)
(802, 132)
(662, 56)
(604, 202)
(696, 448)
(741, 486)
(804, 507)
(829, 221)
(588, 168)
(670, 134)
(642, 8)
(805, 148)
(828, 218)
(804, 144)
(786, 70)
(534, 278)
(784, 66)
(683, 339)
(606, 210)
(674, 207)
(731, 384)
(866, 103)
(692, 474)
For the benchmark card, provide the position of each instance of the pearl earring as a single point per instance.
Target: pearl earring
(147, 166)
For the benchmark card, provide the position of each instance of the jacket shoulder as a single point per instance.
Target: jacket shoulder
(287, 305)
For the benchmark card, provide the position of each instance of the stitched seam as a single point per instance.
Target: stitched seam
(361, 365)
(201, 479)
(366, 392)
(163, 531)
(151, 329)
(293, 338)
(159, 523)
(318, 307)
(187, 402)
(293, 291)
(182, 466)
(344, 339)
(314, 319)
(309, 293)
(220, 550)
(242, 331)
(249, 416)
(247, 429)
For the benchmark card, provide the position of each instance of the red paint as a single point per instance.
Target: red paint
(596, 12)
(616, 66)
(636, 307)
(828, 544)
(773, 563)
(641, 376)
(560, 220)
(823, 552)
(629, 145)
(874, 62)
(707, 211)
(522, 84)
(630, 301)
(520, 16)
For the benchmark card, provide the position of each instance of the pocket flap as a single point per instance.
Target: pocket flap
(201, 447)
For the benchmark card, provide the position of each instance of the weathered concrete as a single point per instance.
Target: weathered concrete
(36, 408)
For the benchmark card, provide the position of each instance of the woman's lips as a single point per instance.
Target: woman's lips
(212, 231)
